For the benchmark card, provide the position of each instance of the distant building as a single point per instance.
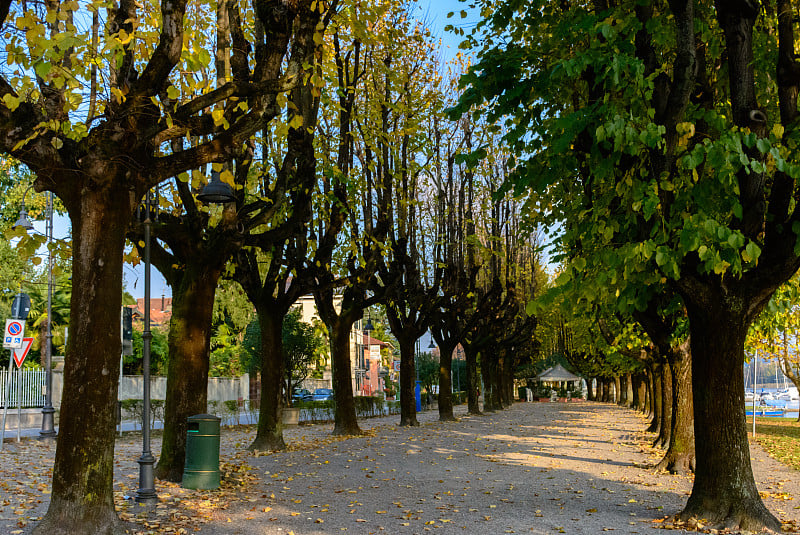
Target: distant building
(364, 371)
(160, 312)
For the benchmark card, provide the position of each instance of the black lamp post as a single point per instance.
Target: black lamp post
(48, 424)
(216, 192)
(146, 494)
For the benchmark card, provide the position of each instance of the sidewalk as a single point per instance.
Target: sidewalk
(536, 468)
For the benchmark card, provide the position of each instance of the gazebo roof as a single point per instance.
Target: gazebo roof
(557, 373)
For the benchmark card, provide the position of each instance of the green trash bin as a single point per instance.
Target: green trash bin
(201, 470)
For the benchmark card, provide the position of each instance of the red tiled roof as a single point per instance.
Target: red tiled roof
(370, 341)
(160, 311)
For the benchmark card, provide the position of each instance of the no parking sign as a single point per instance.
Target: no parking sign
(15, 332)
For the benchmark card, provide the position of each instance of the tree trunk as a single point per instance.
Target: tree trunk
(345, 420)
(590, 389)
(473, 382)
(446, 349)
(507, 377)
(617, 390)
(651, 389)
(623, 390)
(666, 407)
(636, 383)
(724, 490)
(269, 433)
(187, 373)
(655, 424)
(82, 499)
(499, 382)
(408, 400)
(679, 457)
(606, 391)
(644, 394)
(489, 369)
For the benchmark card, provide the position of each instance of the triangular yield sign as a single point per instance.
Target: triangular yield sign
(22, 352)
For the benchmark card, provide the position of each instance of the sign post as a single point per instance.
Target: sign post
(6, 395)
(12, 339)
(15, 331)
(19, 358)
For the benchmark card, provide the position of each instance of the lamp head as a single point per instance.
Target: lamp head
(216, 191)
(23, 221)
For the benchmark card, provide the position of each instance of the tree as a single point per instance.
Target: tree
(159, 352)
(301, 349)
(100, 152)
(428, 371)
(665, 133)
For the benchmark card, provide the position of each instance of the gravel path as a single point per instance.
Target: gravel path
(539, 468)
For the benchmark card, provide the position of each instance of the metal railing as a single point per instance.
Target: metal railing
(28, 384)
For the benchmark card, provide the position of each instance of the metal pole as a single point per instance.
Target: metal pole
(6, 388)
(146, 492)
(755, 380)
(48, 425)
(19, 404)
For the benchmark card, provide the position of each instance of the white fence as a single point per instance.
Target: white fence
(27, 385)
(30, 383)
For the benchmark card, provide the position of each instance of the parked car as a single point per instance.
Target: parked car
(322, 394)
(301, 394)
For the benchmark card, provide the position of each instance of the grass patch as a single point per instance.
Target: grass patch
(780, 438)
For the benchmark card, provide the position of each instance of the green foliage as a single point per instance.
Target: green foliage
(251, 343)
(302, 347)
(232, 306)
(159, 352)
(428, 370)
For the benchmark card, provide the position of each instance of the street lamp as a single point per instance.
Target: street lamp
(48, 427)
(146, 494)
(216, 192)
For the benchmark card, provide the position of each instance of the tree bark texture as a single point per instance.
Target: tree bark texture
(679, 457)
(346, 422)
(656, 399)
(489, 369)
(269, 433)
(82, 499)
(643, 391)
(724, 490)
(187, 373)
(408, 399)
(446, 380)
(624, 382)
(636, 383)
(590, 389)
(473, 381)
(666, 407)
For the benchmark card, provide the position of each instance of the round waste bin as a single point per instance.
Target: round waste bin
(201, 470)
